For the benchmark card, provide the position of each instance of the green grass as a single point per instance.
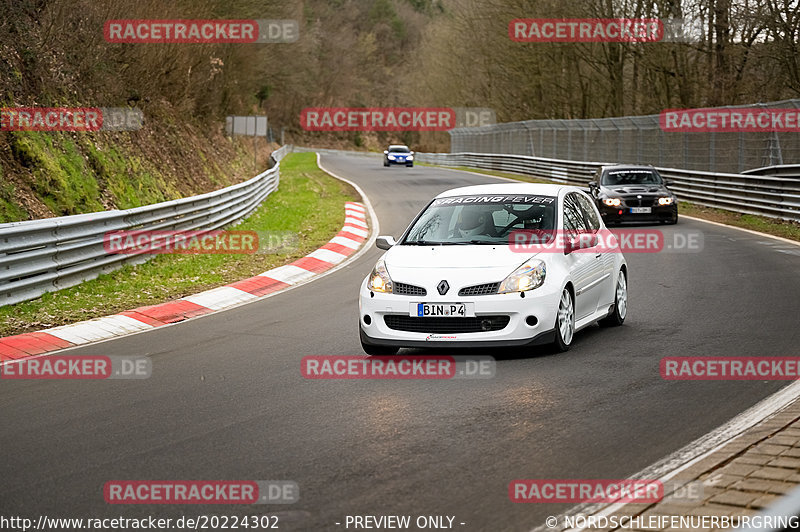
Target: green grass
(60, 174)
(308, 202)
(116, 171)
(70, 175)
(771, 226)
(9, 210)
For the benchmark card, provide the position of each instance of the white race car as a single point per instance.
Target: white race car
(495, 265)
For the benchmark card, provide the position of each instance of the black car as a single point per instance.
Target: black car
(398, 154)
(625, 193)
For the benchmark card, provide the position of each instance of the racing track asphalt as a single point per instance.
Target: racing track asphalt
(226, 399)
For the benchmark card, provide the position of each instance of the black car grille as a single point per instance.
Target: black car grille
(404, 289)
(479, 289)
(400, 322)
(640, 202)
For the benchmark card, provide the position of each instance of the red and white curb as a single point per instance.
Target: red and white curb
(352, 236)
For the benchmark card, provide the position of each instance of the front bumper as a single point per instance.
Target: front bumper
(396, 161)
(623, 213)
(542, 303)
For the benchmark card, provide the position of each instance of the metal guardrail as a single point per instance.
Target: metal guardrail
(781, 170)
(775, 197)
(39, 256)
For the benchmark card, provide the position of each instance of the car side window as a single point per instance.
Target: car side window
(574, 221)
(589, 211)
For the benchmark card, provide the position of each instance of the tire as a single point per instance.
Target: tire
(410, 165)
(379, 350)
(385, 163)
(565, 322)
(617, 316)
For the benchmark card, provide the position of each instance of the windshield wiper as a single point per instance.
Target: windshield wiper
(477, 243)
(422, 243)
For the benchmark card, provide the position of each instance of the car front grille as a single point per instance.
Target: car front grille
(400, 322)
(404, 289)
(640, 202)
(479, 289)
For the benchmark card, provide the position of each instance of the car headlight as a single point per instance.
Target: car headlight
(391, 157)
(527, 277)
(612, 202)
(410, 158)
(379, 280)
(665, 201)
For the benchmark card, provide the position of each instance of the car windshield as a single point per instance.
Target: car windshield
(400, 149)
(631, 177)
(482, 219)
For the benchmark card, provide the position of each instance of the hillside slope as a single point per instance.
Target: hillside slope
(52, 54)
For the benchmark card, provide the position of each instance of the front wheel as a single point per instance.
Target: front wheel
(565, 322)
(410, 165)
(379, 350)
(617, 316)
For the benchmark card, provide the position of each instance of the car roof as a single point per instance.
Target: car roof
(618, 167)
(397, 146)
(538, 189)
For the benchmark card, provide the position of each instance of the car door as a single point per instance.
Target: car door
(603, 252)
(584, 266)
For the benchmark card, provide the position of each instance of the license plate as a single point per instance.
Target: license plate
(641, 210)
(439, 310)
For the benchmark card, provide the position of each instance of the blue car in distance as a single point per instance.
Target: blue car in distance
(398, 154)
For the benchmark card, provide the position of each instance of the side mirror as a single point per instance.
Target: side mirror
(385, 242)
(412, 152)
(385, 152)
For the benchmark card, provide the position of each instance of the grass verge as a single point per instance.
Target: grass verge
(771, 226)
(308, 202)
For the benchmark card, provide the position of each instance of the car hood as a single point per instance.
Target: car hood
(636, 189)
(460, 256)
(461, 265)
